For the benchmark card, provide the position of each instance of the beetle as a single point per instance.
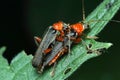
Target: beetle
(71, 34)
(56, 31)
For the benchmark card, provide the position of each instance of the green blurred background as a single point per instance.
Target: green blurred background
(22, 20)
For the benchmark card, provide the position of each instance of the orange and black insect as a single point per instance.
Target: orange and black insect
(56, 31)
(62, 47)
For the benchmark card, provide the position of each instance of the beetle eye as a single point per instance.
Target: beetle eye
(73, 33)
(53, 30)
(87, 28)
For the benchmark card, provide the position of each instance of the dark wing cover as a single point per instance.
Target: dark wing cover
(48, 38)
(58, 46)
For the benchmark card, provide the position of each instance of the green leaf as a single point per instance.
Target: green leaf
(21, 68)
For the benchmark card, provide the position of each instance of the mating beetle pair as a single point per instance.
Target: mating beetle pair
(55, 43)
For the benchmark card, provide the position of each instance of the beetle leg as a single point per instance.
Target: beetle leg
(69, 41)
(41, 68)
(53, 70)
(47, 50)
(84, 44)
(60, 38)
(89, 50)
(37, 40)
(92, 37)
(77, 40)
(89, 37)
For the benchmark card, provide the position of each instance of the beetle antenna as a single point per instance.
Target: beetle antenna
(103, 20)
(83, 10)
